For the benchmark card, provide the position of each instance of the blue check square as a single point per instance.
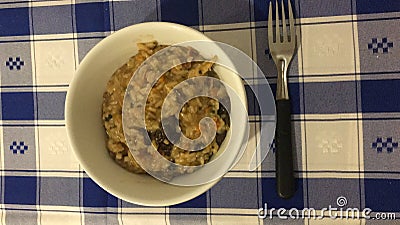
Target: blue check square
(14, 21)
(92, 17)
(268, 165)
(95, 196)
(381, 141)
(324, 97)
(126, 13)
(323, 192)
(294, 96)
(380, 96)
(225, 11)
(125, 204)
(235, 193)
(260, 10)
(20, 148)
(60, 23)
(178, 11)
(252, 104)
(268, 91)
(17, 106)
(20, 190)
(318, 8)
(270, 196)
(51, 105)
(381, 195)
(264, 58)
(378, 46)
(16, 64)
(85, 45)
(198, 202)
(377, 6)
(62, 191)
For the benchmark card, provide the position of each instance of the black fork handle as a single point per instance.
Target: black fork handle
(284, 153)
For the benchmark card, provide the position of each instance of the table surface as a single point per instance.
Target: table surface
(344, 87)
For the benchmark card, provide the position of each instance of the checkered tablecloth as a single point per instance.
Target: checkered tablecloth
(344, 86)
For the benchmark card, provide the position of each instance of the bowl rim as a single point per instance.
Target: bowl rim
(200, 189)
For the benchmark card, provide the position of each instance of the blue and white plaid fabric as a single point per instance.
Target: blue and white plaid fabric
(344, 86)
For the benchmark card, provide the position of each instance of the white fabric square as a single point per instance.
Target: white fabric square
(327, 49)
(332, 146)
(55, 151)
(55, 61)
(244, 162)
(329, 221)
(240, 39)
(59, 218)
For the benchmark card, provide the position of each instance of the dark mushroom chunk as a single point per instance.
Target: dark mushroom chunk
(223, 113)
(108, 118)
(220, 138)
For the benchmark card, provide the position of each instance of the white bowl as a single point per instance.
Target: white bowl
(83, 115)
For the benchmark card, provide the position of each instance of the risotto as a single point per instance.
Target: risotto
(190, 115)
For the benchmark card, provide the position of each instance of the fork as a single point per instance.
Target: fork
(282, 48)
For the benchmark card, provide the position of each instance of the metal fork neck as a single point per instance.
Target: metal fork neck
(282, 82)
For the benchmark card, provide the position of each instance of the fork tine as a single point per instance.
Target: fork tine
(277, 28)
(291, 23)
(284, 31)
(270, 28)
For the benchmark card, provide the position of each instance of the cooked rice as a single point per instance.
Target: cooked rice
(192, 112)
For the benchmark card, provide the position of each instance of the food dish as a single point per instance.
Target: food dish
(84, 124)
(190, 116)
